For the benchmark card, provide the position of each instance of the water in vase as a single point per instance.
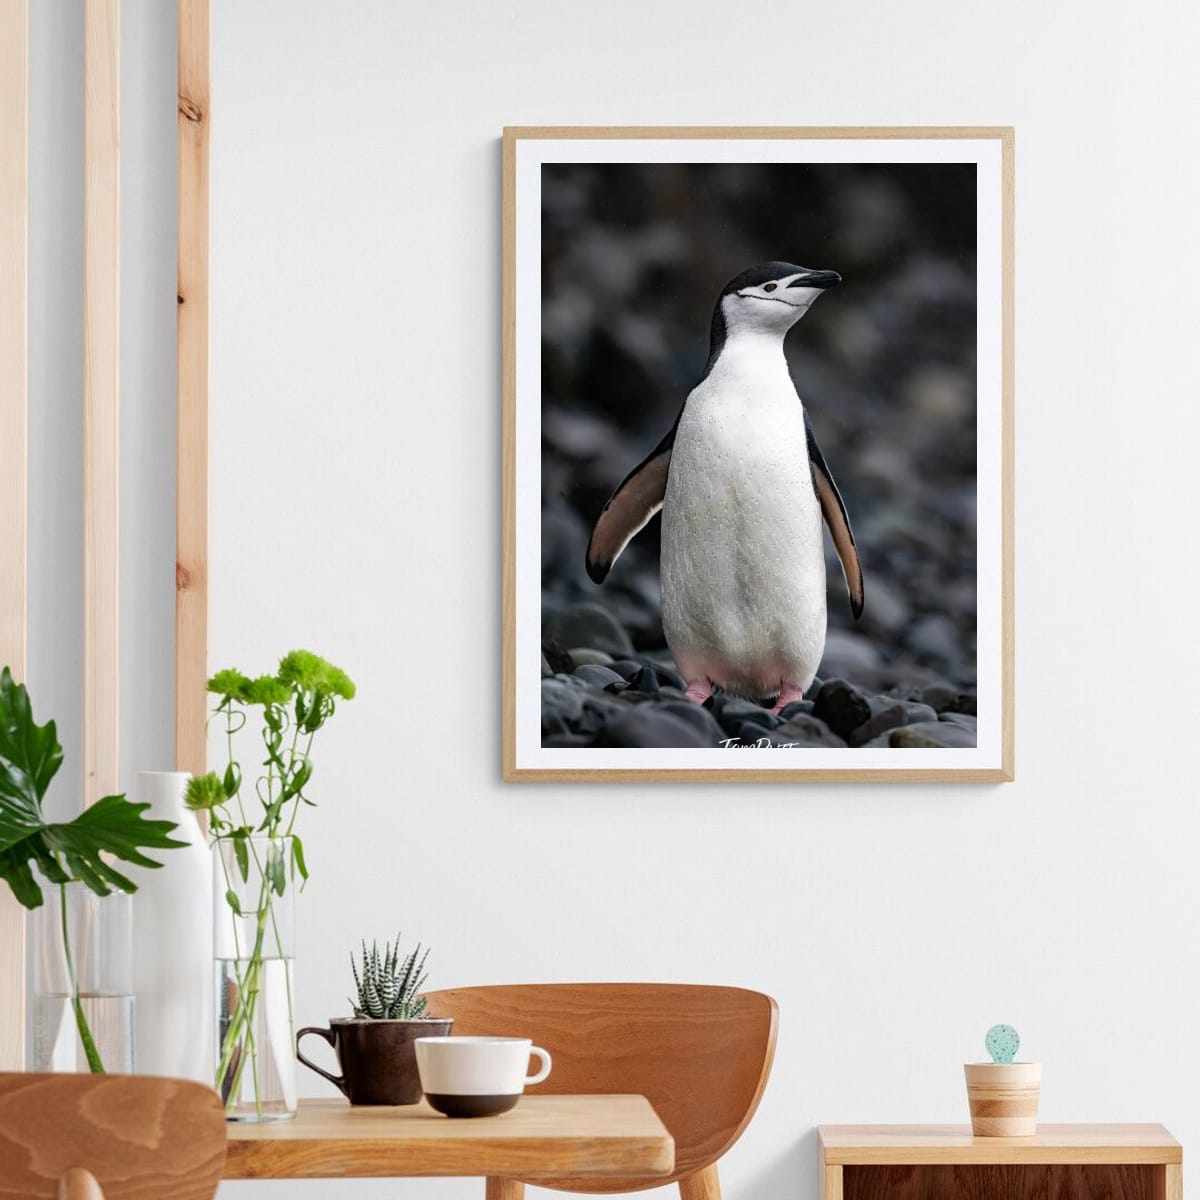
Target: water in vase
(56, 1043)
(256, 1074)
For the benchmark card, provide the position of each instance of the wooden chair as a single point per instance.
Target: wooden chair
(700, 1055)
(109, 1137)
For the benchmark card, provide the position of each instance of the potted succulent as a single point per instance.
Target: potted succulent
(1003, 1095)
(375, 1046)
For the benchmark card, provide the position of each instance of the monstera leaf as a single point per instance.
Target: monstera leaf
(30, 756)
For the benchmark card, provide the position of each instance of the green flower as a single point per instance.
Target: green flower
(267, 689)
(309, 672)
(204, 792)
(231, 684)
(338, 683)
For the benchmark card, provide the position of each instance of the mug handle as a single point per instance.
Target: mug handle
(543, 1071)
(337, 1080)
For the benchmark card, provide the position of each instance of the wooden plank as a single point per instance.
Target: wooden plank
(14, 271)
(757, 132)
(829, 1180)
(191, 461)
(101, 396)
(954, 1144)
(1172, 1182)
(543, 1137)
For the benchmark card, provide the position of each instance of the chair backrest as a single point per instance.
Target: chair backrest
(139, 1137)
(701, 1055)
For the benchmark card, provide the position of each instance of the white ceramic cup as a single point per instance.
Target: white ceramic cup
(476, 1076)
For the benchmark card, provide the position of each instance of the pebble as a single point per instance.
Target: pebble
(964, 720)
(807, 731)
(842, 707)
(669, 678)
(692, 714)
(938, 696)
(570, 706)
(657, 726)
(589, 625)
(585, 655)
(564, 741)
(733, 711)
(598, 677)
(561, 663)
(645, 680)
(891, 717)
(625, 667)
(931, 735)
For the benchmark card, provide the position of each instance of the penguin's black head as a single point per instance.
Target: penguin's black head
(767, 280)
(769, 298)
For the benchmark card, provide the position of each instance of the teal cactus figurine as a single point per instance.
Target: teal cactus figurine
(1002, 1043)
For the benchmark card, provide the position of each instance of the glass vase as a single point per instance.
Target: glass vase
(254, 947)
(82, 981)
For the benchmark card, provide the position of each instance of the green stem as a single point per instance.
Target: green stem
(240, 1034)
(85, 1034)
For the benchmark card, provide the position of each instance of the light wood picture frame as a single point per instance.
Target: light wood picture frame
(618, 242)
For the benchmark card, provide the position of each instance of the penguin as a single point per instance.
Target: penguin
(743, 488)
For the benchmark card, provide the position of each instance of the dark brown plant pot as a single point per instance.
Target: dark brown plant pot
(378, 1061)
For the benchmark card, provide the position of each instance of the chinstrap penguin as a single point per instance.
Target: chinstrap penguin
(743, 487)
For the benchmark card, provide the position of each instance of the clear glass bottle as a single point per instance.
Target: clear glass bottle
(254, 948)
(82, 980)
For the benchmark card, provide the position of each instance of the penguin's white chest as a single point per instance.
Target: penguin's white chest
(743, 565)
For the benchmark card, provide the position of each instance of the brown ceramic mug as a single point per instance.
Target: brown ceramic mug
(377, 1058)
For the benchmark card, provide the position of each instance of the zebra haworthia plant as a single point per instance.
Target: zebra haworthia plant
(389, 987)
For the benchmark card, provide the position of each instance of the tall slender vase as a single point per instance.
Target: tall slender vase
(82, 981)
(172, 926)
(254, 947)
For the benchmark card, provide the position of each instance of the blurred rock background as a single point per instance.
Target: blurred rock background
(634, 256)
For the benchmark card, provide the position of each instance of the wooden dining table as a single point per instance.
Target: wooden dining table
(544, 1137)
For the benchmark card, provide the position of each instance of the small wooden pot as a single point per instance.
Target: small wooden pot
(1003, 1098)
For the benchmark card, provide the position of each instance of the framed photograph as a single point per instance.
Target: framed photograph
(758, 454)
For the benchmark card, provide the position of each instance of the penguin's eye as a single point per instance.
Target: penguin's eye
(769, 287)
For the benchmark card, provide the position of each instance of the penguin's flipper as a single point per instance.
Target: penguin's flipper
(637, 498)
(837, 520)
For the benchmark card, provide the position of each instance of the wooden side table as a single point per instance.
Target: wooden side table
(543, 1137)
(945, 1162)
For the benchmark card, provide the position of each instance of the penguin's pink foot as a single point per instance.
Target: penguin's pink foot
(699, 690)
(789, 695)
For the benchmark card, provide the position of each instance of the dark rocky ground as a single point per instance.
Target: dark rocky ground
(633, 258)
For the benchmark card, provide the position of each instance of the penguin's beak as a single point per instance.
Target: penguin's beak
(816, 279)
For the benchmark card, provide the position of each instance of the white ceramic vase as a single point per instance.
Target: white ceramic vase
(172, 942)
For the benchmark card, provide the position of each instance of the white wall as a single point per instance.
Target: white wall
(356, 426)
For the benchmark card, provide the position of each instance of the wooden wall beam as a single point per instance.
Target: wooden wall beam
(101, 395)
(191, 476)
(14, 273)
